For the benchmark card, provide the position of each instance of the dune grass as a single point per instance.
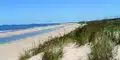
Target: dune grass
(101, 47)
(53, 56)
(25, 56)
(102, 40)
(52, 48)
(99, 34)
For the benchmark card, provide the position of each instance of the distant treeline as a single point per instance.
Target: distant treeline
(103, 21)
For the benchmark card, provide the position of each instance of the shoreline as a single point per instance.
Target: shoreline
(23, 31)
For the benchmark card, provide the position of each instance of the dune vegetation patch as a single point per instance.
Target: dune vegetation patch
(102, 36)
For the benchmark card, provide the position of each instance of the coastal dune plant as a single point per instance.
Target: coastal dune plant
(101, 47)
(53, 56)
(25, 56)
(102, 42)
(52, 48)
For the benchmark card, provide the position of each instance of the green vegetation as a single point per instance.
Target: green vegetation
(25, 56)
(52, 49)
(101, 47)
(52, 56)
(99, 34)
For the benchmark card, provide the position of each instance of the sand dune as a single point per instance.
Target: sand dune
(11, 51)
(72, 52)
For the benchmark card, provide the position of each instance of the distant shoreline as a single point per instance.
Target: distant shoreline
(23, 31)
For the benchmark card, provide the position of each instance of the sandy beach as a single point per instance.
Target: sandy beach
(12, 51)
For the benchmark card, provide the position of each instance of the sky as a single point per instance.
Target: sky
(56, 11)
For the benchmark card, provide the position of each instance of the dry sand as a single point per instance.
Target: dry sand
(116, 53)
(37, 57)
(73, 52)
(11, 51)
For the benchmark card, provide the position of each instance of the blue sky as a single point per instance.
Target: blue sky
(56, 11)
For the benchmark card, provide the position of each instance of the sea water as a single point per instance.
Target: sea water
(25, 35)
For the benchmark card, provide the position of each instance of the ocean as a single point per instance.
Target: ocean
(7, 28)
(23, 26)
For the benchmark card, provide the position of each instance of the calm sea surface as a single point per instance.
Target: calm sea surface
(25, 35)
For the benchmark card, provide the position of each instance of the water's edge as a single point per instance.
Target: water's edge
(26, 35)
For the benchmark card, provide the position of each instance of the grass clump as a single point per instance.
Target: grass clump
(102, 41)
(25, 56)
(52, 56)
(52, 48)
(102, 47)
